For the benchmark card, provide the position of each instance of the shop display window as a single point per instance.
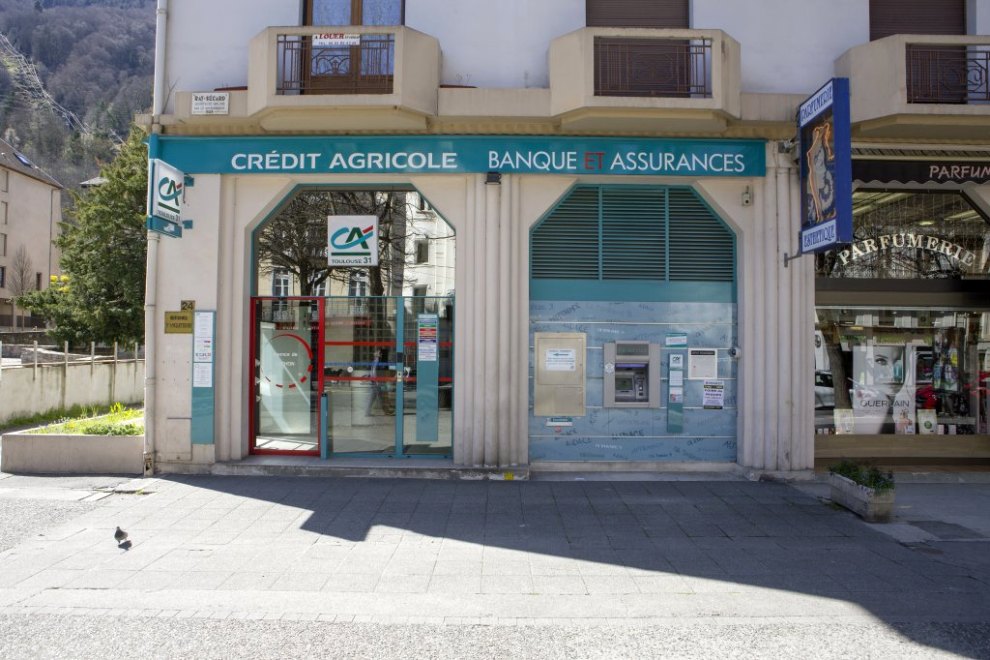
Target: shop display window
(901, 371)
(901, 330)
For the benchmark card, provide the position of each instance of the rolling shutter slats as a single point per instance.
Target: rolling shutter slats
(637, 13)
(889, 17)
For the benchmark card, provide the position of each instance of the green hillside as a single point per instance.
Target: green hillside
(73, 75)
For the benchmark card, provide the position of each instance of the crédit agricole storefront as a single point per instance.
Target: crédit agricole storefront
(590, 314)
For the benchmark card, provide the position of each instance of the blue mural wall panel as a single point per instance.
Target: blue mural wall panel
(637, 434)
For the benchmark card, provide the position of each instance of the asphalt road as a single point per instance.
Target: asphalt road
(48, 636)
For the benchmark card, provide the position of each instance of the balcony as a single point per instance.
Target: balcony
(342, 78)
(920, 87)
(639, 79)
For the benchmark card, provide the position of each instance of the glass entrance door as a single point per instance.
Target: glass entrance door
(285, 393)
(381, 385)
(388, 376)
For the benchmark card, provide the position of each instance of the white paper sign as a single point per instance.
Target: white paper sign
(202, 374)
(336, 40)
(203, 337)
(560, 359)
(677, 378)
(427, 340)
(211, 103)
(714, 395)
(702, 363)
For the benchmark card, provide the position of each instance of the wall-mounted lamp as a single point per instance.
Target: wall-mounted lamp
(493, 178)
(747, 196)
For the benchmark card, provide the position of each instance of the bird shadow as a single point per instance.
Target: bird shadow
(125, 545)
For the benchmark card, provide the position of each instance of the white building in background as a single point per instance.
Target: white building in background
(618, 184)
(30, 212)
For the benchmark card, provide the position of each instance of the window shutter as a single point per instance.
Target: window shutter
(624, 234)
(889, 17)
(565, 245)
(633, 234)
(638, 13)
(702, 249)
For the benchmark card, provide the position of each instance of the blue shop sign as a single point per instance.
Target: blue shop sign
(826, 168)
(464, 154)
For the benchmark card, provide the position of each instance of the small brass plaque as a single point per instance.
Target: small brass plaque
(187, 305)
(179, 323)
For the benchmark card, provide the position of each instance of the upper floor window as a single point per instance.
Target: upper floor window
(889, 17)
(638, 13)
(281, 284)
(3, 180)
(3, 213)
(355, 12)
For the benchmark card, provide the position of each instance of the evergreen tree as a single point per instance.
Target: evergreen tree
(103, 247)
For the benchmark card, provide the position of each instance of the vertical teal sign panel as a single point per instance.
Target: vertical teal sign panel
(675, 393)
(203, 390)
(427, 377)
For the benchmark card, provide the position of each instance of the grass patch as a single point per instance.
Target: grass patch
(109, 420)
(55, 415)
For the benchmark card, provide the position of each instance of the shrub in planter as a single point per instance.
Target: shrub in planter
(865, 490)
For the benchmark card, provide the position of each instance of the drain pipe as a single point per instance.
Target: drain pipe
(151, 272)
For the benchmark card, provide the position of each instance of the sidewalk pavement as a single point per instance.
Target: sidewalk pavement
(572, 553)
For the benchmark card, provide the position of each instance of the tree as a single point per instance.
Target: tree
(295, 241)
(103, 248)
(21, 280)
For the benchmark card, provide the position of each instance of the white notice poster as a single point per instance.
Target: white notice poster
(560, 359)
(203, 337)
(202, 374)
(714, 396)
(702, 364)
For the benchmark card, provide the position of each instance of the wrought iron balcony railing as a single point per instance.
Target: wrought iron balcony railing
(948, 74)
(319, 64)
(673, 68)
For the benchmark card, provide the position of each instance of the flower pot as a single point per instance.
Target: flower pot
(870, 505)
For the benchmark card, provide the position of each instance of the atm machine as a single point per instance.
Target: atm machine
(632, 375)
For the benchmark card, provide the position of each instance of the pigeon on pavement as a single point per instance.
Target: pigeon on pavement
(119, 536)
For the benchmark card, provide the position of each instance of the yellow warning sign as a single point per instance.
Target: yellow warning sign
(179, 323)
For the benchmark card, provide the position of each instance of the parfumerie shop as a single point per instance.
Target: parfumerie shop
(916, 241)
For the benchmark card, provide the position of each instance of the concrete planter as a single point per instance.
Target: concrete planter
(870, 505)
(32, 453)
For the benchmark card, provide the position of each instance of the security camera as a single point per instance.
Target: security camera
(734, 352)
(784, 146)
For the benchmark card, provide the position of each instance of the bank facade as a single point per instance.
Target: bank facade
(577, 256)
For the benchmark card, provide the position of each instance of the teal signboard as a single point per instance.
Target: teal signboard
(464, 154)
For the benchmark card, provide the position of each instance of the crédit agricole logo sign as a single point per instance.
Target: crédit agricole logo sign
(353, 240)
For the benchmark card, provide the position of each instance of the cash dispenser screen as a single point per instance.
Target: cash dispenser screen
(631, 382)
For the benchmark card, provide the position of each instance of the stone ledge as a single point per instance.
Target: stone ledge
(37, 453)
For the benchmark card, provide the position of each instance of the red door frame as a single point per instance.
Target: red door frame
(318, 365)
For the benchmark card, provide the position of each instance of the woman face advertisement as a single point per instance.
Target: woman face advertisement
(878, 379)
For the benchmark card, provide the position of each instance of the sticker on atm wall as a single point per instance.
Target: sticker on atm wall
(560, 421)
(676, 340)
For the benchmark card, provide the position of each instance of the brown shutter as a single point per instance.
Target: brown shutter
(889, 17)
(638, 13)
